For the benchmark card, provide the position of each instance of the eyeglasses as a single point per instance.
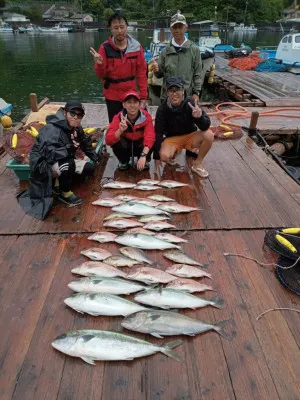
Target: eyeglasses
(174, 90)
(74, 113)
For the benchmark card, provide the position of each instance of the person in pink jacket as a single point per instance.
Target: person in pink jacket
(131, 133)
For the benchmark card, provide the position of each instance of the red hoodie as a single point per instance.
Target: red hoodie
(119, 72)
(143, 128)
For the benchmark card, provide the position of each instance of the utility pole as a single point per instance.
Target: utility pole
(245, 12)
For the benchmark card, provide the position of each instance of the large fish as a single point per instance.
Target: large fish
(119, 185)
(105, 285)
(108, 202)
(189, 285)
(146, 202)
(187, 271)
(159, 197)
(150, 275)
(158, 226)
(96, 253)
(148, 182)
(166, 323)
(135, 254)
(177, 208)
(122, 223)
(102, 304)
(103, 237)
(91, 268)
(168, 237)
(137, 209)
(170, 298)
(146, 187)
(92, 345)
(145, 242)
(117, 216)
(153, 218)
(171, 184)
(121, 261)
(180, 258)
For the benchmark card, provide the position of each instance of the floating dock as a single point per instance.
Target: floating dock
(246, 194)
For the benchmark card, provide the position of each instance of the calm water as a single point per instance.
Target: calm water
(60, 67)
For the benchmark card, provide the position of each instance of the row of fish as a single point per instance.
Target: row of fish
(145, 184)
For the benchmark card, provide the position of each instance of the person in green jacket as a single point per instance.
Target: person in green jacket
(180, 58)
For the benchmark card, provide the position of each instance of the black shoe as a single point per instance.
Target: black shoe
(71, 201)
(123, 166)
(56, 191)
(189, 153)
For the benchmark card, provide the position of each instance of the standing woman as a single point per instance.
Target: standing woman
(131, 133)
(121, 64)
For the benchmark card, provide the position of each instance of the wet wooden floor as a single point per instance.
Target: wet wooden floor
(246, 194)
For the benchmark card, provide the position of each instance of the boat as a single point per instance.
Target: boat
(245, 28)
(58, 28)
(208, 34)
(5, 28)
(288, 51)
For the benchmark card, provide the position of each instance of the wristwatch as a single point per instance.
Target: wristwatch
(143, 154)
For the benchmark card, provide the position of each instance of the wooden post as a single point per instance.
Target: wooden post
(33, 102)
(253, 123)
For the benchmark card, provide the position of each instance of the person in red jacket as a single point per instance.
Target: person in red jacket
(120, 62)
(131, 133)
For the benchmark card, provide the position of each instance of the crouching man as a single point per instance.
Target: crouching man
(131, 133)
(181, 124)
(53, 156)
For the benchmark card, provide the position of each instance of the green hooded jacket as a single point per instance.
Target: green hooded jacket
(185, 63)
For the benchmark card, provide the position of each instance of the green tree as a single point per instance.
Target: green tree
(2, 3)
(107, 13)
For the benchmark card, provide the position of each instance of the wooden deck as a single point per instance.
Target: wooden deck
(275, 89)
(246, 194)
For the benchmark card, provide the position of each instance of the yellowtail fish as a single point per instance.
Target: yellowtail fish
(96, 284)
(158, 226)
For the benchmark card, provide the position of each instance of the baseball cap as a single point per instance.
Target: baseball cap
(74, 105)
(179, 82)
(131, 93)
(178, 19)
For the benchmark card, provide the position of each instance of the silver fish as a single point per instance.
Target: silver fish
(170, 238)
(158, 197)
(158, 226)
(145, 242)
(92, 268)
(146, 202)
(135, 254)
(150, 275)
(171, 184)
(92, 345)
(189, 285)
(96, 253)
(121, 261)
(177, 208)
(148, 182)
(94, 284)
(180, 258)
(146, 187)
(102, 237)
(102, 304)
(153, 218)
(187, 271)
(166, 323)
(137, 209)
(141, 230)
(125, 197)
(119, 185)
(108, 202)
(117, 216)
(122, 223)
(171, 298)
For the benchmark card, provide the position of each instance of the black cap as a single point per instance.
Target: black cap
(179, 82)
(74, 105)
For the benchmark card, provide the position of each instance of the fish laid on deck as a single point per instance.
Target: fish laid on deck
(97, 268)
(150, 275)
(135, 254)
(145, 242)
(103, 237)
(187, 271)
(105, 285)
(181, 258)
(96, 253)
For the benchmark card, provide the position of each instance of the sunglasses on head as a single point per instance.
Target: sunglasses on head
(74, 113)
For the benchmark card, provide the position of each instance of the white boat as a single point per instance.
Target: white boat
(208, 34)
(245, 28)
(58, 28)
(288, 50)
(5, 28)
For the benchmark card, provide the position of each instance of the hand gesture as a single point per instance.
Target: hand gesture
(123, 123)
(196, 110)
(97, 57)
(155, 67)
(141, 163)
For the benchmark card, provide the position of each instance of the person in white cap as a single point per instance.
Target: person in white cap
(180, 58)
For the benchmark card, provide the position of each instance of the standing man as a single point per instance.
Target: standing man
(181, 124)
(120, 63)
(180, 58)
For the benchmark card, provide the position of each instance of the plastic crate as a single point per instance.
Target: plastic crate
(22, 171)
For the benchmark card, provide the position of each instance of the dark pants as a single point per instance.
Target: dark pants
(124, 149)
(67, 170)
(113, 108)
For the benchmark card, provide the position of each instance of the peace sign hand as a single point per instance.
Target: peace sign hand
(196, 110)
(97, 57)
(123, 123)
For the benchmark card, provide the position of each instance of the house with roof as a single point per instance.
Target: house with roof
(14, 18)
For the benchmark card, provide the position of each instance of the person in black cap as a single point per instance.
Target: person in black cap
(181, 124)
(53, 156)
